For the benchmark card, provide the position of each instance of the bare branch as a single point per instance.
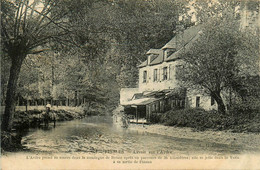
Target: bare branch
(16, 19)
(25, 14)
(38, 51)
(47, 24)
(44, 40)
(46, 10)
(20, 17)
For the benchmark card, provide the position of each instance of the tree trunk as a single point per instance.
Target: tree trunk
(219, 100)
(8, 115)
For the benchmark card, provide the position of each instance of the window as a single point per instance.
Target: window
(197, 101)
(144, 76)
(164, 73)
(212, 101)
(155, 75)
(179, 69)
(169, 53)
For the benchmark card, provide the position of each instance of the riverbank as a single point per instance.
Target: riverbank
(250, 141)
(34, 117)
(23, 120)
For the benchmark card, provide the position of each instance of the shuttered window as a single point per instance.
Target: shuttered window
(155, 75)
(197, 101)
(144, 76)
(165, 73)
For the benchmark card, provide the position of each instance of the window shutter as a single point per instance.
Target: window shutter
(170, 67)
(158, 74)
(147, 79)
(172, 71)
(161, 73)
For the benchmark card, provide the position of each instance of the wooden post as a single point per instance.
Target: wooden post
(18, 102)
(136, 115)
(27, 104)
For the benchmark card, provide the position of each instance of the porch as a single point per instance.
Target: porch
(141, 107)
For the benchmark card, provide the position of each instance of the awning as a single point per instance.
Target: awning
(140, 102)
(150, 97)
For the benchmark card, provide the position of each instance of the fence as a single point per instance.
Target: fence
(23, 108)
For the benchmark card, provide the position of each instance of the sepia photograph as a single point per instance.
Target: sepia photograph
(130, 84)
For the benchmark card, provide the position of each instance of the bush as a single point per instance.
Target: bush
(202, 120)
(11, 141)
(156, 117)
(195, 118)
(248, 109)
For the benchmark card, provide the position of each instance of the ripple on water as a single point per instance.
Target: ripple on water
(98, 133)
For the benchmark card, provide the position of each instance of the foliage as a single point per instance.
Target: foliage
(95, 45)
(109, 47)
(27, 27)
(248, 109)
(201, 120)
(214, 60)
(5, 65)
(156, 117)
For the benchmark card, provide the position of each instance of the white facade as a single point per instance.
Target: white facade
(158, 72)
(198, 99)
(159, 77)
(194, 98)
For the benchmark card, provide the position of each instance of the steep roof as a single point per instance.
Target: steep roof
(183, 38)
(180, 42)
(154, 61)
(143, 64)
(154, 51)
(176, 55)
(158, 59)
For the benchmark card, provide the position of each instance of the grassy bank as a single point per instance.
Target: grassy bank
(32, 118)
(200, 119)
(23, 120)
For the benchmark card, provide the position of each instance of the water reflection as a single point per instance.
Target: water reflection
(99, 134)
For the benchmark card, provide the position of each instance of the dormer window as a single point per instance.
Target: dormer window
(151, 57)
(168, 52)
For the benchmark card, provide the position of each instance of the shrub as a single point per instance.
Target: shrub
(156, 117)
(201, 120)
(248, 109)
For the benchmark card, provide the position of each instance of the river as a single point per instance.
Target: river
(99, 134)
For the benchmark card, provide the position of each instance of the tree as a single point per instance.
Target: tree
(215, 59)
(30, 27)
(27, 27)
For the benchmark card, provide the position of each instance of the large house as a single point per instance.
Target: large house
(159, 90)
